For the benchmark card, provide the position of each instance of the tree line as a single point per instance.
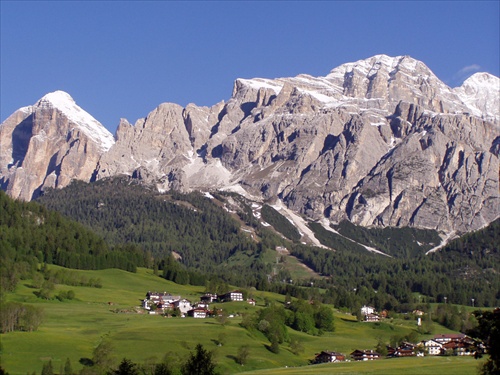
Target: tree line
(124, 225)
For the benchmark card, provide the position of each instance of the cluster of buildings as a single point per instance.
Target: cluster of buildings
(455, 344)
(164, 303)
(443, 344)
(369, 314)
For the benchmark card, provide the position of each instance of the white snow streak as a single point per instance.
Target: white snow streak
(86, 123)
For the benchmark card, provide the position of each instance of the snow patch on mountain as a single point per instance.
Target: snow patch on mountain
(86, 123)
(258, 83)
(326, 225)
(480, 93)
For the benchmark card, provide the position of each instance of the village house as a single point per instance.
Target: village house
(447, 337)
(459, 348)
(432, 347)
(372, 318)
(160, 300)
(406, 349)
(232, 296)
(183, 305)
(364, 355)
(198, 313)
(327, 357)
(251, 301)
(365, 310)
(208, 298)
(201, 305)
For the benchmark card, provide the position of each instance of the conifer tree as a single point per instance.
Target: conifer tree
(200, 362)
(68, 370)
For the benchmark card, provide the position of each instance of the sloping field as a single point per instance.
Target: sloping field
(72, 329)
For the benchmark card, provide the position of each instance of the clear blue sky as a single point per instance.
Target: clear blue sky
(122, 59)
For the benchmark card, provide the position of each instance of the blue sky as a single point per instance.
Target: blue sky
(122, 59)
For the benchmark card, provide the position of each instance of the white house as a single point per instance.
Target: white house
(432, 347)
(161, 298)
(365, 310)
(198, 313)
(232, 296)
(364, 355)
(183, 305)
(372, 318)
(146, 304)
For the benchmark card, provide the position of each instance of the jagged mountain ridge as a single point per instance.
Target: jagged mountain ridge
(380, 141)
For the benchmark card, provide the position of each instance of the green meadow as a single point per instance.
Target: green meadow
(72, 329)
(406, 366)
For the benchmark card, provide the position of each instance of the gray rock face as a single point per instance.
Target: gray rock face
(380, 142)
(49, 144)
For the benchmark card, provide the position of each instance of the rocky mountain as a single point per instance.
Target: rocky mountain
(380, 142)
(48, 144)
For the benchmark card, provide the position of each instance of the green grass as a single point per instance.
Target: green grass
(406, 366)
(72, 329)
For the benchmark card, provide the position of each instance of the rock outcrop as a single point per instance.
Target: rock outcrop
(49, 144)
(380, 142)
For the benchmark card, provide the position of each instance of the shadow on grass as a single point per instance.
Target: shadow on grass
(271, 349)
(31, 286)
(349, 320)
(86, 362)
(216, 342)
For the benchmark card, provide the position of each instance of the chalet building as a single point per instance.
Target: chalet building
(364, 355)
(432, 347)
(328, 357)
(365, 310)
(208, 297)
(201, 305)
(183, 305)
(232, 296)
(160, 300)
(164, 297)
(459, 348)
(146, 304)
(390, 351)
(198, 313)
(448, 337)
(251, 301)
(372, 318)
(405, 351)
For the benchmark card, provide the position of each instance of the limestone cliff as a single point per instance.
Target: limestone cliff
(49, 144)
(380, 141)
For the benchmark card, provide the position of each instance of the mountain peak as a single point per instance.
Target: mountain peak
(374, 62)
(483, 79)
(480, 93)
(58, 98)
(62, 101)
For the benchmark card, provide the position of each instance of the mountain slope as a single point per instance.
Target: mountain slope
(379, 142)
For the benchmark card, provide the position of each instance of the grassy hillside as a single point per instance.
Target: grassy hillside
(407, 366)
(72, 329)
(222, 237)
